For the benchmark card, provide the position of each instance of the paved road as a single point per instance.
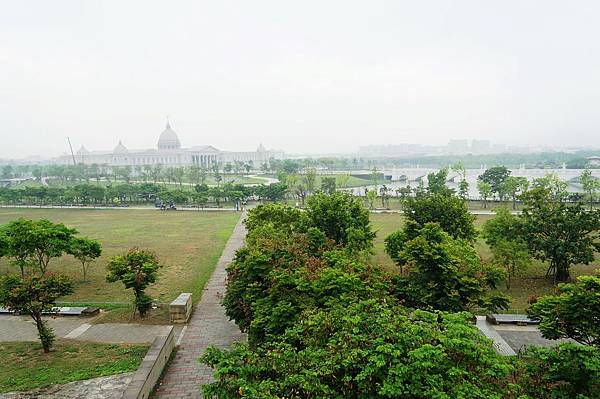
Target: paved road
(209, 326)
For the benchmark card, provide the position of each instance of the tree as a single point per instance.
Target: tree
(485, 190)
(310, 178)
(85, 250)
(556, 231)
(342, 180)
(449, 211)
(573, 313)
(590, 185)
(342, 218)
(394, 243)
(35, 295)
(565, 371)
(36, 242)
(371, 197)
(136, 269)
(463, 185)
(369, 349)
(512, 186)
(495, 177)
(447, 274)
(436, 182)
(504, 235)
(328, 185)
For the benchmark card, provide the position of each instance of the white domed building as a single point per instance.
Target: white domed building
(169, 152)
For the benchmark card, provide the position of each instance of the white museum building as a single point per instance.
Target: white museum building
(170, 153)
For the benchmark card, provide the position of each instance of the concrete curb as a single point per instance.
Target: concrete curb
(147, 375)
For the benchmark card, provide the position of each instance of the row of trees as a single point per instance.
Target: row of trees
(144, 193)
(31, 245)
(323, 322)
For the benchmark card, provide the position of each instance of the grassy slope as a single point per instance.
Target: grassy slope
(188, 244)
(531, 282)
(24, 366)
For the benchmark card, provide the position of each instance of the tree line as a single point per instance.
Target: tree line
(143, 193)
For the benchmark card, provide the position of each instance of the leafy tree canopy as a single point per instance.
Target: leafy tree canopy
(573, 313)
(446, 274)
(369, 349)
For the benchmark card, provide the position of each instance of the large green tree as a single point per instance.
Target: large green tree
(495, 177)
(449, 211)
(33, 243)
(558, 231)
(342, 218)
(369, 349)
(447, 274)
(573, 313)
(504, 235)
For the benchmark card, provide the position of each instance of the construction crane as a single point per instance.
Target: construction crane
(72, 153)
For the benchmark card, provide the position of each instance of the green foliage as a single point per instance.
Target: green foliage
(563, 372)
(279, 216)
(446, 274)
(495, 177)
(136, 270)
(24, 367)
(35, 295)
(394, 244)
(504, 235)
(485, 191)
(557, 231)
(33, 243)
(328, 185)
(369, 349)
(449, 211)
(436, 182)
(85, 250)
(573, 313)
(342, 218)
(277, 276)
(591, 186)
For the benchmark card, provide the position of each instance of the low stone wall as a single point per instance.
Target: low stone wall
(180, 309)
(147, 375)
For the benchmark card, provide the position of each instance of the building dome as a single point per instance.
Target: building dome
(120, 149)
(82, 151)
(168, 139)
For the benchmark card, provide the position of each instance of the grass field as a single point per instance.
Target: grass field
(24, 366)
(531, 282)
(188, 245)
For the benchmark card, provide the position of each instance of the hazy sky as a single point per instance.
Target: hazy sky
(302, 76)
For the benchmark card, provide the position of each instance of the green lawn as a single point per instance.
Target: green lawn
(188, 244)
(531, 283)
(24, 366)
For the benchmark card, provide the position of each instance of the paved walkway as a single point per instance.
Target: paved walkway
(21, 328)
(208, 326)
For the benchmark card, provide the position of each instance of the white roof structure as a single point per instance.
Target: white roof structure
(168, 139)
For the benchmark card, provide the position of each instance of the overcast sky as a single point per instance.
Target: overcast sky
(302, 76)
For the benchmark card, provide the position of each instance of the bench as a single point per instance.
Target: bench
(518, 319)
(180, 309)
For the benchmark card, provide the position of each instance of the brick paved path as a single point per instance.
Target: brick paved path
(208, 326)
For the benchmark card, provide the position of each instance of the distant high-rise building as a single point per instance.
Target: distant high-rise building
(460, 146)
(480, 146)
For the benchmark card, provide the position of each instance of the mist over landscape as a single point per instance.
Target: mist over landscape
(306, 78)
(299, 200)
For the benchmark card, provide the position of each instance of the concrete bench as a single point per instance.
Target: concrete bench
(519, 319)
(181, 308)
